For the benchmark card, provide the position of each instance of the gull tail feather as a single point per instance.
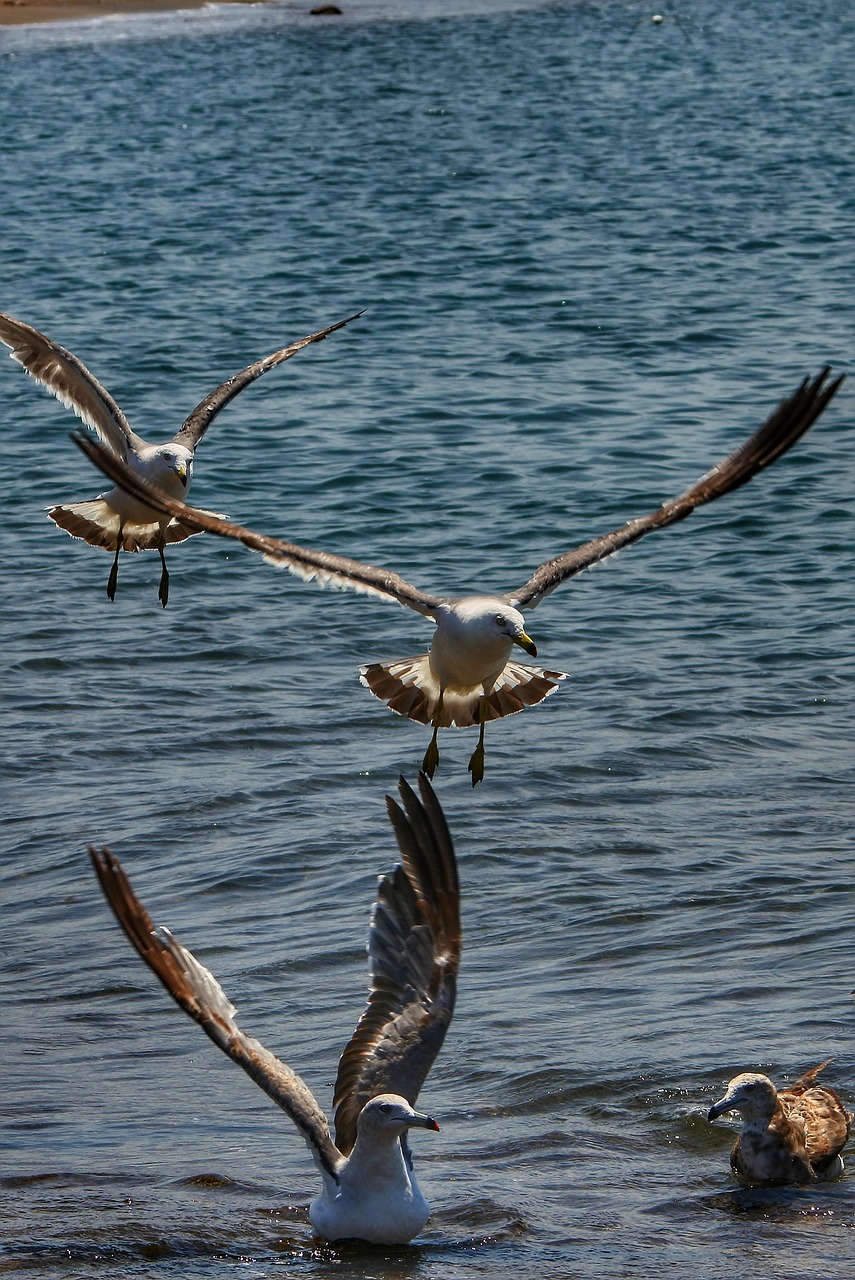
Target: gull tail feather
(97, 523)
(409, 687)
(520, 686)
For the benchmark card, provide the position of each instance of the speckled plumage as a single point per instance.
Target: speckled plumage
(793, 1135)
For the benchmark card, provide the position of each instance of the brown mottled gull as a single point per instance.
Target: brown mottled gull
(369, 1187)
(790, 1135)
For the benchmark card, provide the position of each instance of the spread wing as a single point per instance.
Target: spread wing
(192, 430)
(71, 382)
(197, 991)
(321, 566)
(414, 953)
(787, 424)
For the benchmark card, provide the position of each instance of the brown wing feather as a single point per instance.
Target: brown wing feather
(821, 1112)
(826, 1123)
(198, 993)
(195, 426)
(787, 424)
(71, 382)
(414, 950)
(326, 569)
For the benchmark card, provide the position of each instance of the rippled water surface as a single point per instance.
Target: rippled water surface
(594, 252)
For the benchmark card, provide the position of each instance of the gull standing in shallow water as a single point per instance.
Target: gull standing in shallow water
(114, 520)
(469, 677)
(789, 1136)
(369, 1187)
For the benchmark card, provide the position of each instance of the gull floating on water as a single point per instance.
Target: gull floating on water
(469, 677)
(113, 520)
(792, 1135)
(658, 19)
(369, 1187)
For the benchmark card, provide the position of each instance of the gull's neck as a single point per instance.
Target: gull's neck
(760, 1116)
(377, 1157)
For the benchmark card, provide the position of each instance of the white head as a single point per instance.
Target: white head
(752, 1095)
(389, 1115)
(175, 459)
(167, 466)
(492, 618)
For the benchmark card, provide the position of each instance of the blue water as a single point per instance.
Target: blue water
(594, 253)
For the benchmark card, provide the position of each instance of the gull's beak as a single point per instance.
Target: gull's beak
(181, 472)
(526, 642)
(717, 1109)
(424, 1122)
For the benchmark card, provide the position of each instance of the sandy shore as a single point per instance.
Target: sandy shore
(14, 12)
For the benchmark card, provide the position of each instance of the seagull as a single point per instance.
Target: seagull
(658, 19)
(112, 520)
(369, 1187)
(469, 677)
(792, 1135)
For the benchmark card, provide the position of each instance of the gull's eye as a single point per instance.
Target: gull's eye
(385, 1107)
(500, 619)
(749, 1088)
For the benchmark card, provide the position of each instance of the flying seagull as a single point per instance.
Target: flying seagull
(112, 520)
(792, 1135)
(369, 1187)
(469, 677)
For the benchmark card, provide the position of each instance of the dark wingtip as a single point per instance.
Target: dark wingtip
(102, 859)
(426, 786)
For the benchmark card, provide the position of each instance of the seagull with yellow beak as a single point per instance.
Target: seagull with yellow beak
(468, 677)
(115, 520)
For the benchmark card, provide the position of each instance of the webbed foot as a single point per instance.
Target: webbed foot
(163, 588)
(113, 579)
(430, 764)
(476, 764)
(476, 760)
(114, 571)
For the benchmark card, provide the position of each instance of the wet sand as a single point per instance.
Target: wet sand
(14, 12)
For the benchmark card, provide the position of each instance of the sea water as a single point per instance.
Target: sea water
(594, 252)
